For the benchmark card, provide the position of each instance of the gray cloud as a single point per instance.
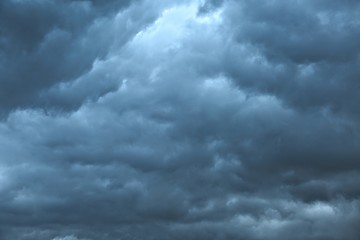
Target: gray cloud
(46, 43)
(179, 120)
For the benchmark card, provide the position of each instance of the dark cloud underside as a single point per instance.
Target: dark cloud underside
(179, 120)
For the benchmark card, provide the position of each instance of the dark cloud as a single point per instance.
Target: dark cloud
(179, 120)
(209, 5)
(45, 43)
(307, 52)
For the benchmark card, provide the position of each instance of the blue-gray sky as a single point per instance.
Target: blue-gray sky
(179, 120)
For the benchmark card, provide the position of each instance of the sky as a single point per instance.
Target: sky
(179, 120)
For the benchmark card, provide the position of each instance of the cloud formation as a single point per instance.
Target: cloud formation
(179, 120)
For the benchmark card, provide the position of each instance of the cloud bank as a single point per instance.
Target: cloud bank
(179, 119)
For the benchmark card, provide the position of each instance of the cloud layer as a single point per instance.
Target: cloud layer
(179, 120)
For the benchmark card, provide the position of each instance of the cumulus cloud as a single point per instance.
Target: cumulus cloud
(179, 120)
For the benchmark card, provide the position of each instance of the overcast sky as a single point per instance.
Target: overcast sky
(180, 120)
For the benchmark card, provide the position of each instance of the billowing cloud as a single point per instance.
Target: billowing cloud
(179, 120)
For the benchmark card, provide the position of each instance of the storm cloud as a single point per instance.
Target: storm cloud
(182, 119)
